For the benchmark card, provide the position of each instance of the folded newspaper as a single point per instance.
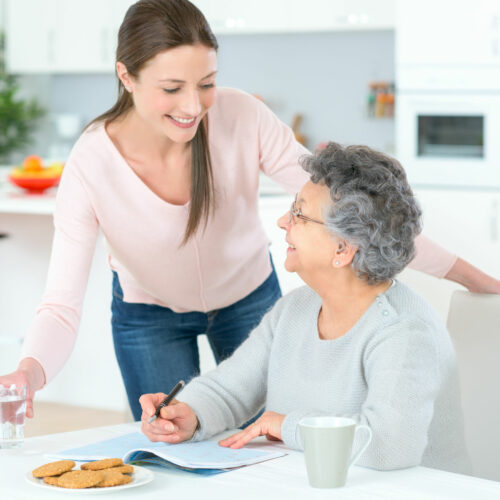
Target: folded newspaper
(203, 457)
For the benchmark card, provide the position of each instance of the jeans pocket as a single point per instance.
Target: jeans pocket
(117, 289)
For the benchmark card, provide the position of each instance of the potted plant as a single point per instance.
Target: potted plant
(18, 117)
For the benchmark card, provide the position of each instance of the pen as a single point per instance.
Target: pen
(167, 400)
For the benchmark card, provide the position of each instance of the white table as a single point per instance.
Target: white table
(281, 478)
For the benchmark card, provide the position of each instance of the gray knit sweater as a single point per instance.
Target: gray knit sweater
(395, 371)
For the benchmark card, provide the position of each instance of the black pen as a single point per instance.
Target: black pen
(167, 400)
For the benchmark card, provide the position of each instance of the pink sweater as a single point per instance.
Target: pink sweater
(216, 268)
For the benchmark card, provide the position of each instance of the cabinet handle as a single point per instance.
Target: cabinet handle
(4, 235)
(494, 222)
(104, 45)
(50, 46)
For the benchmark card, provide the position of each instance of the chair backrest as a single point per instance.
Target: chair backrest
(474, 326)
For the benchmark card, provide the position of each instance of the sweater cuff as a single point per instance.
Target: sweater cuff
(211, 417)
(290, 432)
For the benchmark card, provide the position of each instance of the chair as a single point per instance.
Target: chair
(474, 326)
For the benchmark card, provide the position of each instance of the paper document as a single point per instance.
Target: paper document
(135, 447)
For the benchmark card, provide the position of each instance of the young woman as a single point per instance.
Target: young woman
(354, 342)
(170, 176)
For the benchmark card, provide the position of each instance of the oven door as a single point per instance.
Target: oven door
(449, 140)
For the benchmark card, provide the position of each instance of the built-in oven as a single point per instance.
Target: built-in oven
(449, 138)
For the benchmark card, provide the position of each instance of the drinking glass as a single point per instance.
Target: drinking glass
(12, 412)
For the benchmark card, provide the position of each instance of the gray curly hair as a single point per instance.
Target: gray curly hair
(373, 207)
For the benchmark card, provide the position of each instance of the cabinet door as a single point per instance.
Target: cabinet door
(30, 28)
(466, 223)
(448, 32)
(277, 16)
(271, 208)
(63, 36)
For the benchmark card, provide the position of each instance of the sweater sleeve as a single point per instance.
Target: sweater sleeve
(279, 152)
(431, 258)
(52, 335)
(403, 376)
(236, 390)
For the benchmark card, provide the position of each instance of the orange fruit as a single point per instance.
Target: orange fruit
(32, 163)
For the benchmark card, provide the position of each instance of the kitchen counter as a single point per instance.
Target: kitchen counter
(14, 200)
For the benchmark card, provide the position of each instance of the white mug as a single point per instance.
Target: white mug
(327, 445)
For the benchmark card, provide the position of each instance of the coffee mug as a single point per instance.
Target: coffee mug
(327, 445)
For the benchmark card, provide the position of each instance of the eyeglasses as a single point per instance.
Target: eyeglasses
(296, 212)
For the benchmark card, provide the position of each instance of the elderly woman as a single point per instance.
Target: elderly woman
(354, 342)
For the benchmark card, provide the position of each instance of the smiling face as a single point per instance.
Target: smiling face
(312, 248)
(174, 90)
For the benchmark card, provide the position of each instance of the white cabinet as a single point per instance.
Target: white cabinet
(77, 36)
(279, 16)
(24, 258)
(271, 208)
(448, 32)
(59, 36)
(465, 222)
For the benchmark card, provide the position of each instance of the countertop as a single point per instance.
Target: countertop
(14, 200)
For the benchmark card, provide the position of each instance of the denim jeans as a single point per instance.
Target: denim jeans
(156, 347)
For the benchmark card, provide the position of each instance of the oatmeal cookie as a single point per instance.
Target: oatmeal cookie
(77, 479)
(124, 469)
(54, 468)
(112, 478)
(102, 464)
(52, 480)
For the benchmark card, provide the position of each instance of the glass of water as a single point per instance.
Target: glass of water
(12, 412)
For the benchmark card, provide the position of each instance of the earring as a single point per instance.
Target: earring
(337, 263)
(128, 89)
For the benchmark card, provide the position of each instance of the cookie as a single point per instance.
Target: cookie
(124, 469)
(112, 478)
(52, 480)
(102, 464)
(54, 468)
(77, 479)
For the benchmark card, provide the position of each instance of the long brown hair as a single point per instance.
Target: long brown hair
(150, 27)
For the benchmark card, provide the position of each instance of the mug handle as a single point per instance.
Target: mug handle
(354, 459)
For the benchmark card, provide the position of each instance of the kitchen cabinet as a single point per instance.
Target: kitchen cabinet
(77, 36)
(465, 222)
(24, 259)
(62, 36)
(279, 16)
(271, 208)
(448, 32)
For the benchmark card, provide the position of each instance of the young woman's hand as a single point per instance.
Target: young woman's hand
(29, 373)
(269, 425)
(177, 421)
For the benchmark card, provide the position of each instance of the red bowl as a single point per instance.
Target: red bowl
(35, 184)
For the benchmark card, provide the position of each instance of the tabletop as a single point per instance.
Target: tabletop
(283, 477)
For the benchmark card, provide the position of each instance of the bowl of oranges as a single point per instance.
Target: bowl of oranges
(34, 177)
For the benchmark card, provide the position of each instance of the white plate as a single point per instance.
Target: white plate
(140, 476)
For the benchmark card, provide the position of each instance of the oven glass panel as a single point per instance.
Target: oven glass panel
(451, 136)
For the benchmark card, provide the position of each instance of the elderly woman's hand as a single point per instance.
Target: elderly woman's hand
(269, 425)
(177, 421)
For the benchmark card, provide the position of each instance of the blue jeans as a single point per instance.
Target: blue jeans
(156, 347)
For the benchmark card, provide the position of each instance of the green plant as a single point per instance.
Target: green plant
(18, 117)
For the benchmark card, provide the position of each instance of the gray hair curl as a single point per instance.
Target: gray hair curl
(373, 207)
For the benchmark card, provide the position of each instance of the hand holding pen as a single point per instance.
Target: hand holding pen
(167, 400)
(165, 419)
